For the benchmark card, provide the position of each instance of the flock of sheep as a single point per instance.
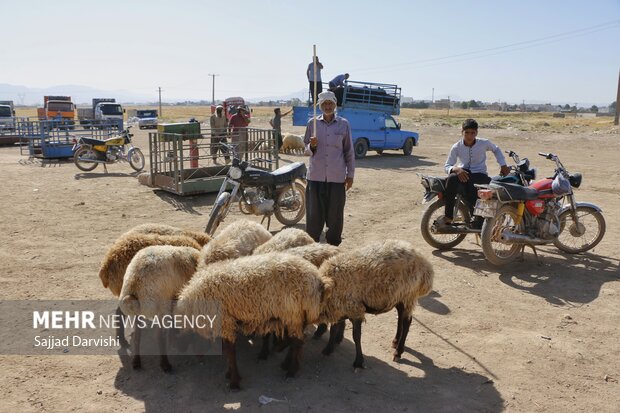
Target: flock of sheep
(265, 285)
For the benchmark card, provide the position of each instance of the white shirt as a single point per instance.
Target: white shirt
(473, 157)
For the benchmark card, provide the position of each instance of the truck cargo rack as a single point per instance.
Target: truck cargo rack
(381, 97)
(182, 163)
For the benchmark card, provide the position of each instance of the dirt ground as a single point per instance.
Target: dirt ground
(531, 337)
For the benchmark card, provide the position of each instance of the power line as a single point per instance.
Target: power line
(498, 49)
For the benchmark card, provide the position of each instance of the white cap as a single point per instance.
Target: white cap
(327, 96)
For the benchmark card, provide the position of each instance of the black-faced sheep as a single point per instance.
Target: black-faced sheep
(292, 144)
(153, 279)
(374, 279)
(259, 294)
(236, 240)
(284, 240)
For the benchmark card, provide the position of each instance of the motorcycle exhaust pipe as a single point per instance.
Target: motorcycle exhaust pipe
(511, 238)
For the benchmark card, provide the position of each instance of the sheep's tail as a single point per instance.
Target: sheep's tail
(327, 287)
(130, 305)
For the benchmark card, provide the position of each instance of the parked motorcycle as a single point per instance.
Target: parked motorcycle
(448, 236)
(281, 193)
(90, 152)
(545, 212)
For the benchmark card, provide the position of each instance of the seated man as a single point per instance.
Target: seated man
(471, 169)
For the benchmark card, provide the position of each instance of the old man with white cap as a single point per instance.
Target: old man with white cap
(219, 125)
(330, 172)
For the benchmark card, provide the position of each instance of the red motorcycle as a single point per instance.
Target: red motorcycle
(545, 212)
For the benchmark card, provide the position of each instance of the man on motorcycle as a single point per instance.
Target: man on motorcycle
(470, 152)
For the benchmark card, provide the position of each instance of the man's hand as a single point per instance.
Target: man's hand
(461, 173)
(313, 142)
(348, 183)
(504, 170)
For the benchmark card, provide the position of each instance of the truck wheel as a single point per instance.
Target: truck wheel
(408, 147)
(360, 148)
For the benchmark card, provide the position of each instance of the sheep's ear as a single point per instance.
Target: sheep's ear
(130, 305)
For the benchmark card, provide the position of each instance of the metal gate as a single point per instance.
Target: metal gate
(193, 163)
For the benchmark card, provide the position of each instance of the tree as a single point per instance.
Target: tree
(463, 105)
(473, 104)
(567, 106)
(612, 107)
(594, 109)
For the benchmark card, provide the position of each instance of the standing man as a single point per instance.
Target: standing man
(219, 125)
(276, 124)
(310, 74)
(470, 152)
(238, 131)
(330, 172)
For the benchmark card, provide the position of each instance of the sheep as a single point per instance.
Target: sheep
(163, 229)
(118, 257)
(153, 279)
(285, 239)
(257, 294)
(236, 240)
(292, 144)
(374, 279)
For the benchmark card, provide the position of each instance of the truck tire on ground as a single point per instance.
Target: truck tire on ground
(408, 147)
(85, 152)
(360, 148)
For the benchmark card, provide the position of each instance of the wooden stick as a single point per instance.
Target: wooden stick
(314, 98)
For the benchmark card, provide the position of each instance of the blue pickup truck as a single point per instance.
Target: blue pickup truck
(369, 108)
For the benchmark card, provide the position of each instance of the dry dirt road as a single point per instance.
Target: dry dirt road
(531, 337)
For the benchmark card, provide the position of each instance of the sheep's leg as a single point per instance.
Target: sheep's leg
(333, 333)
(279, 344)
(162, 338)
(264, 351)
(401, 342)
(340, 333)
(320, 330)
(399, 324)
(231, 356)
(120, 330)
(295, 351)
(357, 338)
(136, 362)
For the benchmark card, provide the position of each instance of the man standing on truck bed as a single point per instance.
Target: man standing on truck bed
(310, 74)
(219, 125)
(330, 172)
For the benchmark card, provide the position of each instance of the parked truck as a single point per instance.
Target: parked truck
(59, 111)
(104, 111)
(370, 110)
(147, 118)
(7, 116)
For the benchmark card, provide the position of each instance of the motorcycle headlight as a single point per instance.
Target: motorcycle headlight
(235, 173)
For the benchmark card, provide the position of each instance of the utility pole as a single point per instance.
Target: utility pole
(433, 96)
(160, 113)
(213, 88)
(448, 105)
(617, 102)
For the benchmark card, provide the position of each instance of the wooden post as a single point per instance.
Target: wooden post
(617, 102)
(314, 96)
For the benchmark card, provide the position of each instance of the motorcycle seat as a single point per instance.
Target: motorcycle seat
(513, 192)
(92, 141)
(289, 172)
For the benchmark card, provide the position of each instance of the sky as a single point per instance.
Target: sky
(514, 51)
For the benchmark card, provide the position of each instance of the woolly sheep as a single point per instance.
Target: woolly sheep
(374, 279)
(118, 257)
(153, 279)
(285, 239)
(292, 144)
(236, 240)
(258, 294)
(163, 229)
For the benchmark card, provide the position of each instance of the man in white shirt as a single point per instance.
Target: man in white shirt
(471, 169)
(311, 79)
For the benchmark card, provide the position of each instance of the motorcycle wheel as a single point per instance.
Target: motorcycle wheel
(291, 205)
(496, 252)
(85, 153)
(441, 241)
(574, 238)
(218, 212)
(136, 159)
